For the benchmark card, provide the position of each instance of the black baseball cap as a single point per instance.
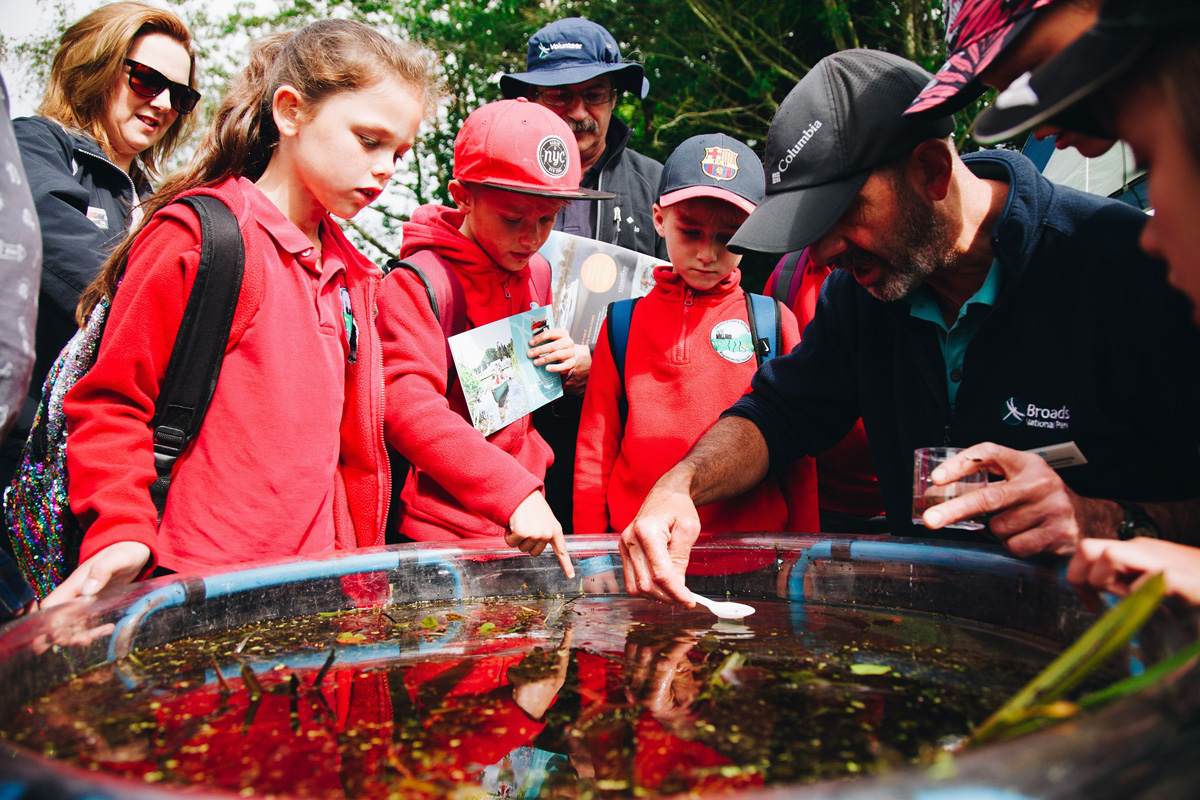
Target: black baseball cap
(712, 165)
(574, 50)
(1124, 31)
(840, 122)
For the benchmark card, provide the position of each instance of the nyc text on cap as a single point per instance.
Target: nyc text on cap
(521, 147)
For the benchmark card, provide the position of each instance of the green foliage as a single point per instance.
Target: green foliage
(713, 65)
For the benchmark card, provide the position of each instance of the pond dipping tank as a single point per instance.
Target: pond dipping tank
(965, 616)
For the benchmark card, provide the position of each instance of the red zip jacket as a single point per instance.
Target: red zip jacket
(110, 455)
(465, 485)
(678, 384)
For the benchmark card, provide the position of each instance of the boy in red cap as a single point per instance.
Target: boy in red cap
(690, 355)
(516, 165)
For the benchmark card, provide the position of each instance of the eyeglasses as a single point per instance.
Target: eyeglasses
(149, 82)
(561, 98)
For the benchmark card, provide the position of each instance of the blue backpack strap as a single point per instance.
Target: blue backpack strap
(620, 318)
(766, 326)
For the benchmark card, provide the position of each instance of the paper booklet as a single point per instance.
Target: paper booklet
(501, 383)
(588, 275)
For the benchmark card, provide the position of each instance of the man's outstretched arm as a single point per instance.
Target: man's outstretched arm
(728, 459)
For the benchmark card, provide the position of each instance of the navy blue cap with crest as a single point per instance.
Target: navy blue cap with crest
(574, 50)
(713, 165)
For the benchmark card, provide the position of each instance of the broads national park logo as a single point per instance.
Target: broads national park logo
(1034, 416)
(719, 163)
(731, 339)
(553, 156)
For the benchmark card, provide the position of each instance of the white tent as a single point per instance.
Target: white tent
(1113, 174)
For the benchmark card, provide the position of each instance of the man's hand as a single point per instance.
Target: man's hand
(663, 678)
(533, 526)
(116, 565)
(577, 383)
(1030, 511)
(555, 350)
(1119, 567)
(656, 546)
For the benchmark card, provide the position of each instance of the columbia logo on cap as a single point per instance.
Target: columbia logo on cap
(553, 156)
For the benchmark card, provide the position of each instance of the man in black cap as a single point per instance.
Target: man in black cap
(974, 301)
(574, 68)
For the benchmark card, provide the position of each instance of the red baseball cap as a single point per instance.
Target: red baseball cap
(976, 32)
(520, 147)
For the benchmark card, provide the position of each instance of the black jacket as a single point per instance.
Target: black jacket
(1087, 342)
(627, 220)
(83, 202)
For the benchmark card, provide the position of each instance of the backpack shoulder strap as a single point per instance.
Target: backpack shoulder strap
(786, 284)
(442, 286)
(199, 350)
(766, 326)
(620, 317)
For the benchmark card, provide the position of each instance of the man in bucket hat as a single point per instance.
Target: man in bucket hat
(574, 68)
(973, 301)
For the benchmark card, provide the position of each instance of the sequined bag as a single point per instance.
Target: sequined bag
(45, 534)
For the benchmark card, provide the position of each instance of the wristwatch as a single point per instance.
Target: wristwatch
(1136, 522)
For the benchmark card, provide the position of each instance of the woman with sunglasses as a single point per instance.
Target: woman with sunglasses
(121, 87)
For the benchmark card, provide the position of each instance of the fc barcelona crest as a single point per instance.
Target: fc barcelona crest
(719, 163)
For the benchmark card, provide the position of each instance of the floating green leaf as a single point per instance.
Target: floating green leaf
(430, 623)
(870, 669)
(487, 628)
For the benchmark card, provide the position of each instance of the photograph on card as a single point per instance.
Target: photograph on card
(499, 380)
(588, 275)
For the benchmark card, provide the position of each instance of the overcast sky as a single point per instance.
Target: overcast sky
(20, 19)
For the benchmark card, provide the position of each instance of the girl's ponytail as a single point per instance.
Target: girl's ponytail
(318, 61)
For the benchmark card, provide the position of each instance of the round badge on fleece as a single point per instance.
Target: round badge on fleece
(731, 339)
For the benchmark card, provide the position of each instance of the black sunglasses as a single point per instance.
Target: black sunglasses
(149, 82)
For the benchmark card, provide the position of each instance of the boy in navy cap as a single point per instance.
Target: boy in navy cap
(690, 353)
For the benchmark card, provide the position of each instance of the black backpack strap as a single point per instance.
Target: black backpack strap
(399, 465)
(420, 273)
(195, 364)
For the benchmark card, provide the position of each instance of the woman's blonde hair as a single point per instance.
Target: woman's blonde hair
(91, 60)
(318, 61)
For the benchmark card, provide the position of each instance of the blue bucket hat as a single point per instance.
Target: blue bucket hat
(574, 50)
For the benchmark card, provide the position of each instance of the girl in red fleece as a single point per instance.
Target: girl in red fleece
(290, 459)
(515, 165)
(683, 363)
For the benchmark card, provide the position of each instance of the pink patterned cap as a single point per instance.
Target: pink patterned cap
(976, 32)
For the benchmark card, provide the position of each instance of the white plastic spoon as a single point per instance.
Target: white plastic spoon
(723, 608)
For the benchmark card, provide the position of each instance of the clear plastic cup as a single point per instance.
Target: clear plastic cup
(927, 495)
